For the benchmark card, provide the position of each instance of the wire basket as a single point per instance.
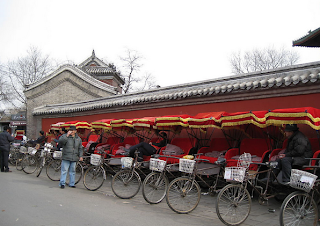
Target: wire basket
(126, 162)
(57, 154)
(244, 160)
(235, 173)
(302, 180)
(186, 165)
(157, 164)
(23, 149)
(32, 151)
(95, 159)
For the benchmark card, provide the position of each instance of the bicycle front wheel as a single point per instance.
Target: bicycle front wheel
(183, 195)
(54, 170)
(298, 208)
(154, 187)
(94, 177)
(126, 184)
(233, 204)
(29, 164)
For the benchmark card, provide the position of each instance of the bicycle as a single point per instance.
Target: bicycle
(183, 194)
(155, 185)
(127, 182)
(96, 174)
(233, 204)
(301, 207)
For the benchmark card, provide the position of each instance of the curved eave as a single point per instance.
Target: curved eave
(310, 40)
(76, 71)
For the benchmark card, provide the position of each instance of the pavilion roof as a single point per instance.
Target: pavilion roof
(312, 39)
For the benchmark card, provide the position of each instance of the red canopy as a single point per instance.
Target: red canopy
(144, 123)
(104, 124)
(307, 115)
(56, 126)
(206, 120)
(172, 122)
(77, 124)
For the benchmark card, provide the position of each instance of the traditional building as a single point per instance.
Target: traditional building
(288, 87)
(92, 79)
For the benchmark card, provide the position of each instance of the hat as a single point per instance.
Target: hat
(73, 128)
(291, 128)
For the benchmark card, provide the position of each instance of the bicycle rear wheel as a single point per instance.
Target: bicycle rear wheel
(94, 177)
(54, 170)
(233, 204)
(126, 184)
(299, 208)
(183, 195)
(29, 164)
(154, 187)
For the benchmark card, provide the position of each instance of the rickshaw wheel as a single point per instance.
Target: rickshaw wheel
(154, 187)
(233, 204)
(183, 195)
(94, 177)
(126, 184)
(298, 209)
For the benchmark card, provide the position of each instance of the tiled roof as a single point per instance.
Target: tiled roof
(78, 72)
(312, 39)
(288, 76)
(97, 70)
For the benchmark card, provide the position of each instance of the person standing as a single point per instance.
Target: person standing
(5, 139)
(72, 151)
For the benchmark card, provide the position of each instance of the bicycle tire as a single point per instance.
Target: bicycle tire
(183, 195)
(94, 177)
(29, 164)
(53, 170)
(233, 204)
(154, 187)
(126, 184)
(298, 208)
(19, 163)
(41, 165)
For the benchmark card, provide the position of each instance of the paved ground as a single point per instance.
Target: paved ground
(26, 198)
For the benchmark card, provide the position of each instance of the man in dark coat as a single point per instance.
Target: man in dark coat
(298, 148)
(72, 151)
(5, 139)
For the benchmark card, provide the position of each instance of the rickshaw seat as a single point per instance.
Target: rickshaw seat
(216, 144)
(186, 144)
(128, 140)
(257, 147)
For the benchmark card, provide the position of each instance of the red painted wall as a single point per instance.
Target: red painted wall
(310, 100)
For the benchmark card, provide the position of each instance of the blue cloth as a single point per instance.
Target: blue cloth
(66, 166)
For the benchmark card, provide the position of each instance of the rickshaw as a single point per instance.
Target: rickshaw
(234, 201)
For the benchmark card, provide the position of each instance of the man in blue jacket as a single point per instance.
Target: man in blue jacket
(5, 139)
(72, 151)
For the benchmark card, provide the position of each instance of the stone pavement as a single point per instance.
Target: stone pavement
(261, 215)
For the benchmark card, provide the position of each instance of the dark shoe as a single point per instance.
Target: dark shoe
(62, 186)
(73, 186)
(7, 171)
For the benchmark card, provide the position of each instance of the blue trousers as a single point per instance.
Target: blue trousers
(65, 167)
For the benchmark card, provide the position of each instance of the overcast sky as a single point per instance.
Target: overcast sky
(181, 41)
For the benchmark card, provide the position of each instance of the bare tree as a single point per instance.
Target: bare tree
(26, 70)
(147, 81)
(131, 67)
(262, 59)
